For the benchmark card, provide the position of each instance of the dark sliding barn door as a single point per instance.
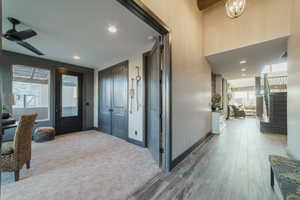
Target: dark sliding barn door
(113, 100)
(153, 108)
(68, 102)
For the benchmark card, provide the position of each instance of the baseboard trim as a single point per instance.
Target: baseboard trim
(130, 140)
(139, 143)
(96, 129)
(88, 129)
(181, 157)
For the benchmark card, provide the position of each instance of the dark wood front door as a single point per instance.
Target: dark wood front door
(68, 102)
(153, 107)
(113, 100)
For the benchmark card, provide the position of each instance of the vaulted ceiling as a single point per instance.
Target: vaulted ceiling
(203, 4)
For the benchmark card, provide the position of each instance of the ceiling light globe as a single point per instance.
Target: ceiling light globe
(112, 29)
(235, 8)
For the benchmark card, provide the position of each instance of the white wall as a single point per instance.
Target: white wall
(263, 20)
(191, 75)
(219, 84)
(136, 123)
(135, 120)
(294, 83)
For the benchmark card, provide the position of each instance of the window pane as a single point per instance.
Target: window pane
(69, 96)
(281, 67)
(245, 98)
(41, 74)
(31, 92)
(22, 72)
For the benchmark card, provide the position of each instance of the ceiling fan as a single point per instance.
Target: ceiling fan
(19, 36)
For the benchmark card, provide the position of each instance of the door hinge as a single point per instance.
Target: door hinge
(161, 57)
(162, 47)
(161, 150)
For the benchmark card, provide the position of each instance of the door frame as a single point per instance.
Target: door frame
(99, 91)
(58, 88)
(138, 8)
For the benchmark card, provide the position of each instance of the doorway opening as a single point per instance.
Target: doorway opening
(251, 82)
(148, 92)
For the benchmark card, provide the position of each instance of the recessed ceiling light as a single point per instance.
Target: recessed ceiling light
(243, 69)
(76, 57)
(112, 29)
(243, 62)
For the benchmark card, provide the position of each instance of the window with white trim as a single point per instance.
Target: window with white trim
(31, 89)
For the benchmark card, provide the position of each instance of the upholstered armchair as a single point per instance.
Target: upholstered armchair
(238, 112)
(14, 155)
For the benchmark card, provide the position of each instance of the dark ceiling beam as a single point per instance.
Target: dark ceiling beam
(203, 4)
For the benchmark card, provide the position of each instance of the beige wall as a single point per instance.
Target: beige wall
(294, 83)
(263, 20)
(191, 74)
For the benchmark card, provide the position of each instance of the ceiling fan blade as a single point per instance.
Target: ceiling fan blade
(23, 35)
(30, 47)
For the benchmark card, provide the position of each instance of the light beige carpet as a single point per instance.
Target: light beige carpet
(82, 166)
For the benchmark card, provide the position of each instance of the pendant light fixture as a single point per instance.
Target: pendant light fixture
(235, 8)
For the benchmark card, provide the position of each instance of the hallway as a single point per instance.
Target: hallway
(232, 166)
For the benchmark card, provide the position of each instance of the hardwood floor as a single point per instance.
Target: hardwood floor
(233, 166)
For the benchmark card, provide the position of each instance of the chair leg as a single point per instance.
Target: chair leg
(28, 164)
(17, 175)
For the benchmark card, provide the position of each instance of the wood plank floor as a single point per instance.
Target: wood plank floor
(233, 166)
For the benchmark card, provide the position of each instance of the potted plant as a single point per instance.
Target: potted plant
(216, 102)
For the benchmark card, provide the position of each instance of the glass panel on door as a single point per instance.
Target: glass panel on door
(69, 95)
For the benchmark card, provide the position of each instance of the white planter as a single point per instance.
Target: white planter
(217, 123)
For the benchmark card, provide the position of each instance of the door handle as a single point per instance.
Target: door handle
(111, 110)
(57, 109)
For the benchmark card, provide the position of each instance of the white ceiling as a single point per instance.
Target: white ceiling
(78, 27)
(244, 82)
(257, 56)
